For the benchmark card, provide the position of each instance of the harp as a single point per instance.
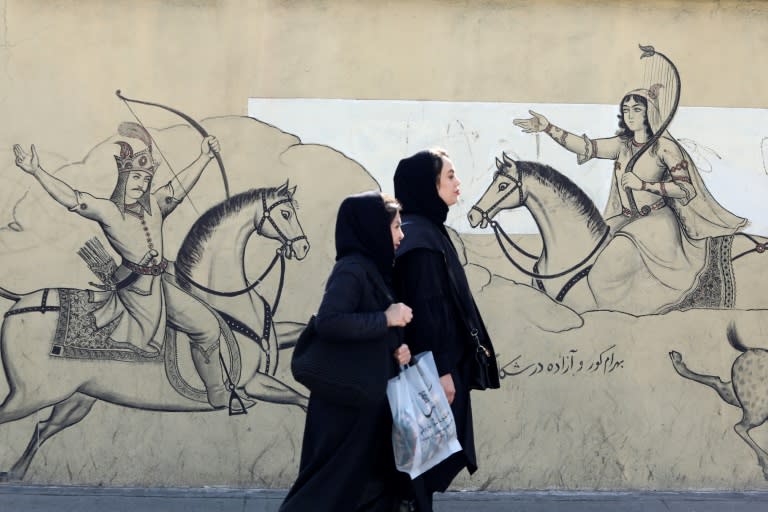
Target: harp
(661, 82)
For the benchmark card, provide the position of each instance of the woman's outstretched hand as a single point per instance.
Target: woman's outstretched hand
(535, 124)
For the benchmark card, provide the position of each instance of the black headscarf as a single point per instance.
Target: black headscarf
(416, 187)
(363, 227)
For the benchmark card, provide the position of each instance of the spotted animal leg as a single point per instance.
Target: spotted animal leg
(722, 388)
(742, 428)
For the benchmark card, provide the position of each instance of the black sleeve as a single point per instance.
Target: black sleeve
(422, 283)
(339, 318)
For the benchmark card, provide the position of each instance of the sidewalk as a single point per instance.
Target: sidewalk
(31, 498)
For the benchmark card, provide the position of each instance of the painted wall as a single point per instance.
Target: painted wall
(589, 400)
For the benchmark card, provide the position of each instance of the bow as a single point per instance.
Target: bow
(197, 126)
(650, 51)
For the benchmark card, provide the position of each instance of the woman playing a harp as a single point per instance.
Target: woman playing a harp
(659, 209)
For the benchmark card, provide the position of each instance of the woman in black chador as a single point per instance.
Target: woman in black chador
(430, 278)
(347, 463)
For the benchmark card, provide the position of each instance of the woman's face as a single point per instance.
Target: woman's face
(396, 228)
(634, 115)
(448, 184)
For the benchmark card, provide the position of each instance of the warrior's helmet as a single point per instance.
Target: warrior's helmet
(128, 161)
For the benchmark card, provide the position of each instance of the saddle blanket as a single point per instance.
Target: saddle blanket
(714, 286)
(78, 337)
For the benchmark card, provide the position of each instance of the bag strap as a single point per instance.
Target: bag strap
(473, 331)
(378, 282)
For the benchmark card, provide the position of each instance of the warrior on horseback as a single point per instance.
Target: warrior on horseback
(139, 297)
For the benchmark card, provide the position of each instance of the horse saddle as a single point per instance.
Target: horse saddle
(77, 336)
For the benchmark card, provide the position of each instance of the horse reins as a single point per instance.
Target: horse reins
(278, 254)
(499, 233)
(758, 248)
(286, 247)
(269, 311)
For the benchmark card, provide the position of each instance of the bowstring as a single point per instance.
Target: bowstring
(167, 162)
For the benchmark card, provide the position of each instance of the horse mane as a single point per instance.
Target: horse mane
(192, 247)
(567, 191)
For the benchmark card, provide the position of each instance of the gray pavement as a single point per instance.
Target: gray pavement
(32, 498)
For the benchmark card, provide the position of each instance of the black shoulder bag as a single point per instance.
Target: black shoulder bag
(351, 374)
(484, 371)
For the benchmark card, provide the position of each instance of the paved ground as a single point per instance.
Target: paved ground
(95, 499)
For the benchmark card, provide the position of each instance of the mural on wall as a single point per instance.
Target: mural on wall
(196, 332)
(82, 339)
(663, 243)
(744, 390)
(590, 397)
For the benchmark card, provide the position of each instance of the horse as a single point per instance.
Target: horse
(72, 386)
(230, 293)
(749, 373)
(574, 235)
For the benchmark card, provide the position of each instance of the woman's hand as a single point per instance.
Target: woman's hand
(537, 123)
(28, 163)
(447, 383)
(631, 181)
(403, 354)
(398, 315)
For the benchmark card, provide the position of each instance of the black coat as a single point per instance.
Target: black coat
(346, 455)
(422, 282)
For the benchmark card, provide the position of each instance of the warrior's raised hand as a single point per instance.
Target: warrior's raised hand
(209, 146)
(535, 124)
(29, 163)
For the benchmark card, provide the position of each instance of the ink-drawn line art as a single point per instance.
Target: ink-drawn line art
(15, 225)
(700, 154)
(665, 242)
(745, 390)
(97, 344)
(270, 213)
(197, 126)
(51, 343)
(575, 236)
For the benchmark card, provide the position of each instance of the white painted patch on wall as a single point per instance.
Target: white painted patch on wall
(727, 144)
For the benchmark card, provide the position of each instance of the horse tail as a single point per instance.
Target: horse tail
(9, 295)
(733, 338)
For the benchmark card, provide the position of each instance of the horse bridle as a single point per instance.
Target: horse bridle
(269, 311)
(287, 243)
(518, 181)
(285, 247)
(499, 232)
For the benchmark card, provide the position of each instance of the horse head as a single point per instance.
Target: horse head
(500, 193)
(278, 221)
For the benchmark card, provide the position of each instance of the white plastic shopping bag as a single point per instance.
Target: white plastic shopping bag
(423, 427)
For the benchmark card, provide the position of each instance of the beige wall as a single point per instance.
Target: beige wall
(638, 427)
